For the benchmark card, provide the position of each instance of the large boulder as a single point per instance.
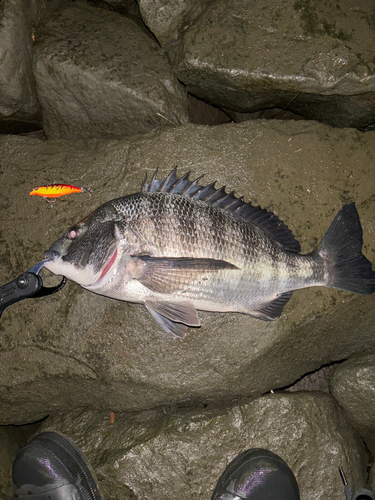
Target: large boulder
(18, 22)
(167, 20)
(311, 58)
(81, 349)
(98, 74)
(164, 455)
(352, 384)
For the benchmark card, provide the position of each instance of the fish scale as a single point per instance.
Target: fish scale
(179, 247)
(183, 228)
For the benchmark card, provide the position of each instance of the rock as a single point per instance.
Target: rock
(18, 21)
(130, 9)
(168, 20)
(99, 75)
(353, 386)
(78, 349)
(182, 453)
(302, 56)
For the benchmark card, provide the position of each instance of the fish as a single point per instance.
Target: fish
(177, 247)
(56, 190)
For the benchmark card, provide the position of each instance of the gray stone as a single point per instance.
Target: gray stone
(99, 75)
(313, 59)
(168, 19)
(182, 453)
(18, 22)
(130, 9)
(353, 386)
(78, 349)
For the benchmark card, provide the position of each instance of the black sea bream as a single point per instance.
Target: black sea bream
(177, 246)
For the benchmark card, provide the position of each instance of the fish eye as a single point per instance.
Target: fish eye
(73, 233)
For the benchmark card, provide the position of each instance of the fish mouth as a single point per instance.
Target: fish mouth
(51, 255)
(82, 271)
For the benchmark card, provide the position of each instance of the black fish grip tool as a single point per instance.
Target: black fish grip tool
(27, 285)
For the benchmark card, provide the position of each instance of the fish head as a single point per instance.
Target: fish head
(87, 252)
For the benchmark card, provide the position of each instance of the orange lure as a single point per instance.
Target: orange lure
(57, 190)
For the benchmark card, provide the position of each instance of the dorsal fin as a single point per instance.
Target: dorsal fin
(259, 217)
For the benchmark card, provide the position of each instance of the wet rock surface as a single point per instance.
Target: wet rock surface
(352, 384)
(99, 75)
(101, 72)
(18, 97)
(168, 20)
(248, 56)
(93, 343)
(157, 417)
(181, 453)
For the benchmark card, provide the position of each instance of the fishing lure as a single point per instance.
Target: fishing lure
(57, 190)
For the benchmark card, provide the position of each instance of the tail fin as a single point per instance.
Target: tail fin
(342, 247)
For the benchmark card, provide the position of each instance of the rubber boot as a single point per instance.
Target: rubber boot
(257, 474)
(50, 467)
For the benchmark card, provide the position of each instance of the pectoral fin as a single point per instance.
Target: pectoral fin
(173, 317)
(171, 274)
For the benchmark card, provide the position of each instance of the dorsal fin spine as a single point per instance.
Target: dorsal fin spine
(176, 179)
(191, 185)
(154, 175)
(232, 204)
(172, 177)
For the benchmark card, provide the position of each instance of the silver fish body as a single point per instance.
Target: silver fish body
(179, 247)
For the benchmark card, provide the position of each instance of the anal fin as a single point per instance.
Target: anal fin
(173, 317)
(272, 309)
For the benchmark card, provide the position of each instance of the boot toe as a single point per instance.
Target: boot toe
(257, 474)
(50, 466)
